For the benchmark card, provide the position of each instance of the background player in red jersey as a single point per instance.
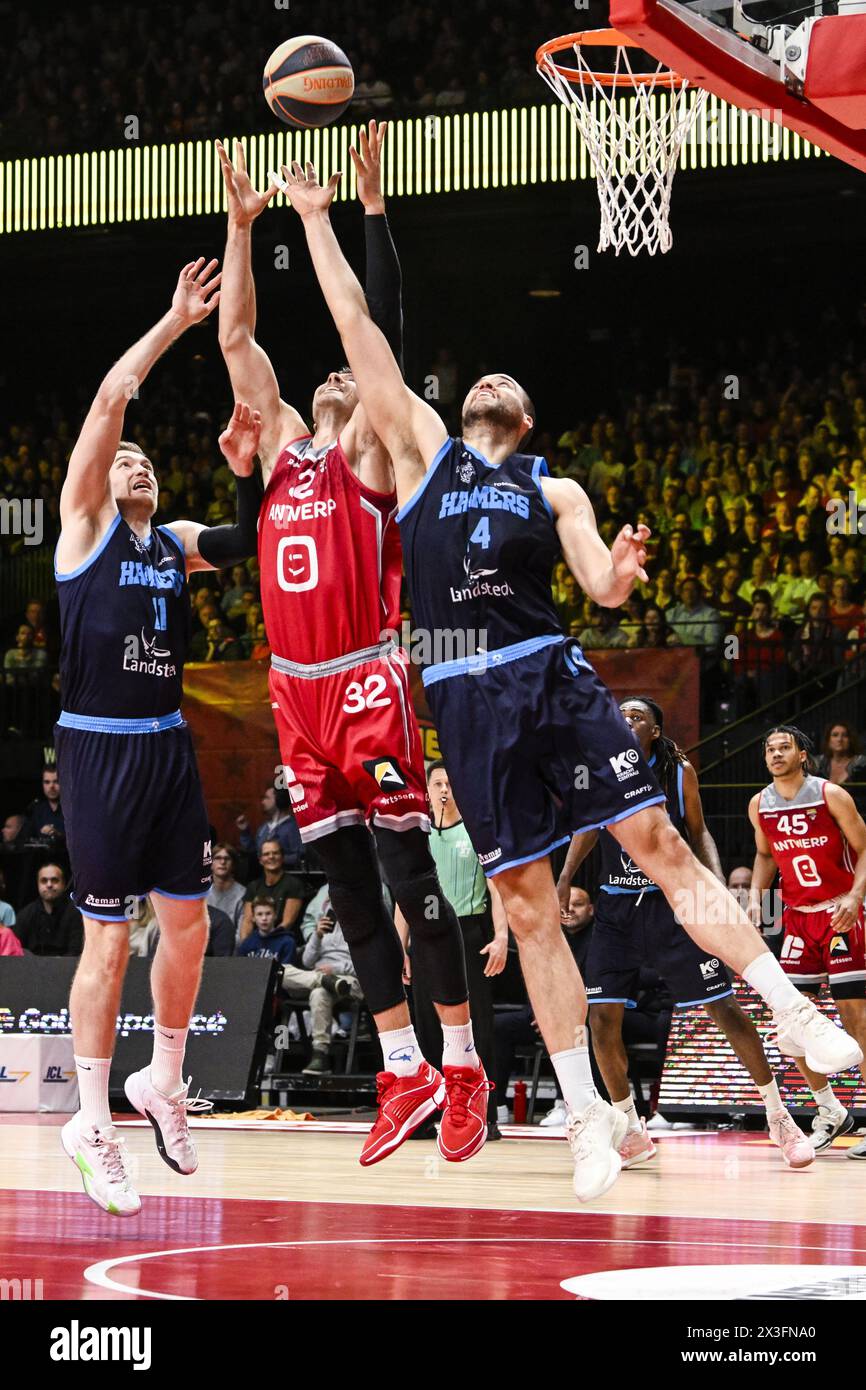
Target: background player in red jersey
(330, 563)
(808, 829)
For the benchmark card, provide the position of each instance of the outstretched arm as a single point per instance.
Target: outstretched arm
(606, 576)
(85, 501)
(218, 547)
(409, 428)
(252, 375)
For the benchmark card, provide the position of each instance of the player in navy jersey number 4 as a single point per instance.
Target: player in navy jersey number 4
(135, 815)
(535, 743)
(811, 831)
(635, 927)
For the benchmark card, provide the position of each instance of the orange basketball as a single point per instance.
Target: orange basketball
(308, 81)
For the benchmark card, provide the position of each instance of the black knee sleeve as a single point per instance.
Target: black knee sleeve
(349, 861)
(410, 873)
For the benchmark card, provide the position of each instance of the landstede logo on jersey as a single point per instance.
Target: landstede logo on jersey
(625, 764)
(144, 657)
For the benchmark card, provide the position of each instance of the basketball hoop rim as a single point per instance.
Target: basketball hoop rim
(602, 38)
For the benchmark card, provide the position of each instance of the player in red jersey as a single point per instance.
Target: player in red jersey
(810, 830)
(331, 565)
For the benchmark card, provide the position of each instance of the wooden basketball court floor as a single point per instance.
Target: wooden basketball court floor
(281, 1212)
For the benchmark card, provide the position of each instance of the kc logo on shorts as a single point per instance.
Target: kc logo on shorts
(708, 968)
(624, 764)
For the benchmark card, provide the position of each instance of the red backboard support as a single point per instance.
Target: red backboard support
(733, 70)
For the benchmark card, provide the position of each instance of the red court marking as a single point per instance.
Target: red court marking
(205, 1248)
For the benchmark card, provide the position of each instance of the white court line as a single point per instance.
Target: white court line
(98, 1274)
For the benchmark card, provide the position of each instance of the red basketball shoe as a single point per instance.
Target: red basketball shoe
(463, 1130)
(404, 1103)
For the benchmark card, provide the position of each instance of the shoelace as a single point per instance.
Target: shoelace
(384, 1081)
(112, 1156)
(460, 1092)
(184, 1104)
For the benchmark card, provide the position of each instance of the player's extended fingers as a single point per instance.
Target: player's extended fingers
(334, 181)
(365, 146)
(214, 284)
(643, 532)
(204, 271)
(312, 176)
(211, 304)
(356, 160)
(193, 268)
(240, 157)
(298, 171)
(642, 575)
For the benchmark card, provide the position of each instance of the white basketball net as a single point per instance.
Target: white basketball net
(634, 144)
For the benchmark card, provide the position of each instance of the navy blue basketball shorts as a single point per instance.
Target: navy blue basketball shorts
(537, 750)
(135, 818)
(634, 930)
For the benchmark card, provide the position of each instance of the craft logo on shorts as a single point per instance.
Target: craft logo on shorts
(624, 764)
(709, 968)
(386, 773)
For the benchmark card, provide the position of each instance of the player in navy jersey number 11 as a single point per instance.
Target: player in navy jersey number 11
(135, 816)
(810, 830)
(535, 744)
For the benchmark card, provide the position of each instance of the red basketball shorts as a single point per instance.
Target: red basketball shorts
(349, 742)
(812, 953)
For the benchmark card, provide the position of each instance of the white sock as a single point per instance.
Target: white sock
(400, 1051)
(166, 1068)
(628, 1109)
(575, 1078)
(771, 1098)
(768, 979)
(93, 1091)
(828, 1099)
(458, 1046)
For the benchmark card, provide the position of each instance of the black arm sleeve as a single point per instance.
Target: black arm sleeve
(384, 283)
(223, 546)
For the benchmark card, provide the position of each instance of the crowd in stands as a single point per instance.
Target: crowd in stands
(194, 71)
(753, 503)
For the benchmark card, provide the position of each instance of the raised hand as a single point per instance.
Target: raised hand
(239, 441)
(368, 166)
(304, 192)
(244, 202)
(628, 553)
(194, 284)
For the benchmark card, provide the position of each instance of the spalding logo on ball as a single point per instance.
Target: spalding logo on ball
(308, 81)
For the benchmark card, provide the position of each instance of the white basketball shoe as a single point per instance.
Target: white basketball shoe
(102, 1159)
(804, 1032)
(168, 1117)
(595, 1135)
